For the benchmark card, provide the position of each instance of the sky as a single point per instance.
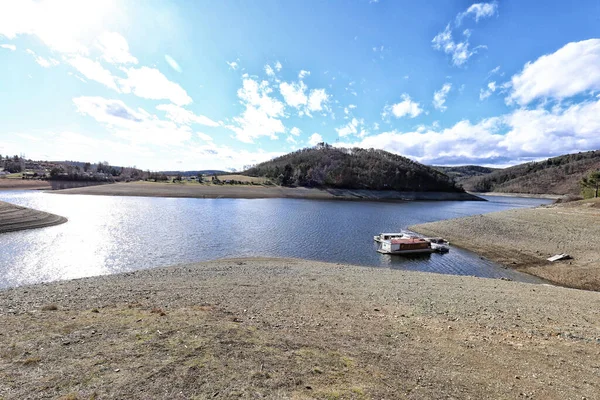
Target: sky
(188, 85)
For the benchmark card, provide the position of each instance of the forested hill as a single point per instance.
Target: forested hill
(463, 172)
(558, 175)
(330, 167)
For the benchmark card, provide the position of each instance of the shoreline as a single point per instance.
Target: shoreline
(523, 195)
(16, 218)
(260, 192)
(293, 328)
(523, 239)
(23, 184)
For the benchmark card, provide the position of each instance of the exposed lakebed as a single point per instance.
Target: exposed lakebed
(107, 235)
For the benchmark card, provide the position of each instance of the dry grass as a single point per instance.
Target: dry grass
(243, 178)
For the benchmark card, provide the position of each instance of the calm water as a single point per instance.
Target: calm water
(107, 235)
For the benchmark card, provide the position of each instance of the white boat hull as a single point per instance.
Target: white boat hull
(403, 252)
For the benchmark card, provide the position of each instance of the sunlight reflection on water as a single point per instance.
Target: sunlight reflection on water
(106, 235)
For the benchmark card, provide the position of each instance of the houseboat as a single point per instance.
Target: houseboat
(405, 246)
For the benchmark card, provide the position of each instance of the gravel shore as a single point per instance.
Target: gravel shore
(283, 328)
(523, 239)
(16, 218)
(256, 192)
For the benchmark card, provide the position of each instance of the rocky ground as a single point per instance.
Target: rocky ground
(275, 328)
(15, 218)
(525, 238)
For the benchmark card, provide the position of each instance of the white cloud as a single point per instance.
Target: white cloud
(439, 97)
(315, 139)
(204, 137)
(459, 51)
(136, 126)
(10, 47)
(294, 94)
(150, 83)
(261, 114)
(295, 131)
(406, 107)
(520, 136)
(303, 73)
(220, 157)
(317, 100)
(495, 71)
(76, 146)
(573, 69)
(172, 63)
(269, 70)
(278, 66)
(93, 71)
(233, 65)
(479, 11)
(44, 62)
(297, 95)
(115, 49)
(290, 139)
(66, 26)
(351, 128)
(347, 109)
(491, 88)
(182, 116)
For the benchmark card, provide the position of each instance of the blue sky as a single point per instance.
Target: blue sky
(225, 84)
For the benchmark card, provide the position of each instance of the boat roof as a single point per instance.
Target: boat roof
(392, 233)
(409, 240)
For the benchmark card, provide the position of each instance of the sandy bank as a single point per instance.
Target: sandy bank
(16, 218)
(255, 192)
(23, 184)
(279, 329)
(525, 238)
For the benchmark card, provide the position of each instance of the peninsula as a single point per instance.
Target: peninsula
(524, 238)
(16, 218)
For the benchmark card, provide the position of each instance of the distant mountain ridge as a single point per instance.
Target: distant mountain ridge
(557, 175)
(326, 166)
(195, 173)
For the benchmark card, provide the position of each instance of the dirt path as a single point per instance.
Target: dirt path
(16, 218)
(525, 238)
(257, 192)
(259, 328)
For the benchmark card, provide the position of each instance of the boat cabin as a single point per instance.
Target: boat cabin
(405, 245)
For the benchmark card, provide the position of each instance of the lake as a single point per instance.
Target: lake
(107, 235)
